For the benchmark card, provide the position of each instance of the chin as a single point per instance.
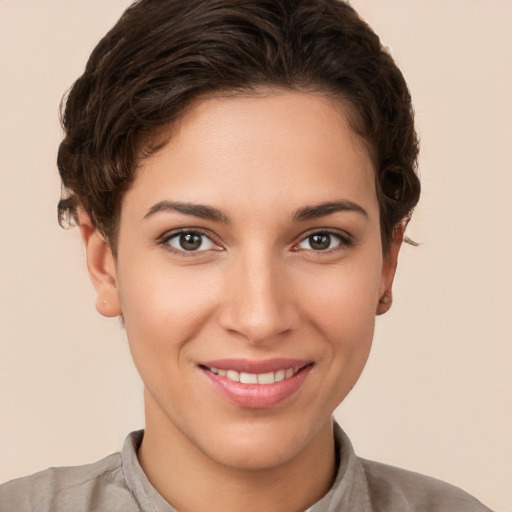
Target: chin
(257, 456)
(260, 445)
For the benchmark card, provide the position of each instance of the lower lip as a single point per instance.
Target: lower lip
(258, 396)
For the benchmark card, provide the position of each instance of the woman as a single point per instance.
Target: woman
(242, 174)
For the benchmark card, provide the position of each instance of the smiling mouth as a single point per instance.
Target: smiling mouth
(264, 377)
(257, 384)
(255, 378)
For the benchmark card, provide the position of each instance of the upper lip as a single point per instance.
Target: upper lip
(255, 366)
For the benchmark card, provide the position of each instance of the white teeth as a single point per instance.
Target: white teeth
(233, 375)
(266, 378)
(248, 378)
(279, 375)
(255, 378)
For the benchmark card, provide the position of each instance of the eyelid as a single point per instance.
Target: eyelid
(346, 240)
(169, 235)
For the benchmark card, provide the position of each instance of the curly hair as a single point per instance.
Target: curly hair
(163, 54)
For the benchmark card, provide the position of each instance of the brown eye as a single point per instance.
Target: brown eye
(320, 241)
(323, 241)
(190, 241)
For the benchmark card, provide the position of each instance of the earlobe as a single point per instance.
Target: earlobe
(384, 304)
(389, 269)
(101, 267)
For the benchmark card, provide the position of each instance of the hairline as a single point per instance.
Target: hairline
(161, 136)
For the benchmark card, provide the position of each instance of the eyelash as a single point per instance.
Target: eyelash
(344, 241)
(164, 241)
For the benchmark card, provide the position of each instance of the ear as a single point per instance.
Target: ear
(101, 266)
(389, 268)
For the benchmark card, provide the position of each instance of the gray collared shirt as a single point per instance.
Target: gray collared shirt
(118, 484)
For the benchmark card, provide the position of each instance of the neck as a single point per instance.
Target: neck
(177, 469)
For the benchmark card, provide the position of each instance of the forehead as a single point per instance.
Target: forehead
(259, 149)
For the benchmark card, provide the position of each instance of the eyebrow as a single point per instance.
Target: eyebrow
(323, 209)
(208, 212)
(197, 210)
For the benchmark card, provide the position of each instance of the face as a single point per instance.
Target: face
(249, 272)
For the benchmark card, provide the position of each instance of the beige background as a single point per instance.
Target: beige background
(436, 395)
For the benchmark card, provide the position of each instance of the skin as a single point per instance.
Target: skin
(259, 290)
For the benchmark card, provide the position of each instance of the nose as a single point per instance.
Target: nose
(259, 300)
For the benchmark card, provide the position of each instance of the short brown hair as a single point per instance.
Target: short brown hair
(163, 54)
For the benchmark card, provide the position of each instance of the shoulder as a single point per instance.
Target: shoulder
(394, 489)
(76, 488)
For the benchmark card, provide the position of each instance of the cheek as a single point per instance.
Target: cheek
(341, 302)
(163, 309)
(342, 315)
